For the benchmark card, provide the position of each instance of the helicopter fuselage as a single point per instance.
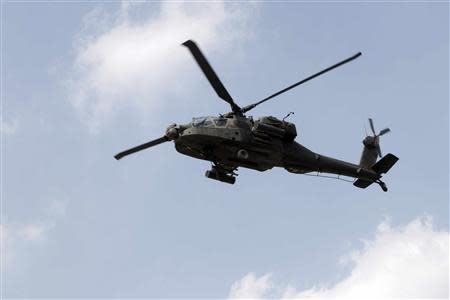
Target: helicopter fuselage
(239, 141)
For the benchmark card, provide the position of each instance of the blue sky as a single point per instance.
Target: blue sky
(82, 81)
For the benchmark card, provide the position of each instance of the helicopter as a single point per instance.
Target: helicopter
(234, 140)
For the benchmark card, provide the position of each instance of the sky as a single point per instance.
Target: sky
(82, 81)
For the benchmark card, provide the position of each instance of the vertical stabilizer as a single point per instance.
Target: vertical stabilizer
(369, 154)
(371, 149)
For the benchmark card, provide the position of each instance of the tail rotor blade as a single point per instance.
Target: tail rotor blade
(141, 147)
(379, 151)
(371, 126)
(377, 144)
(211, 75)
(376, 137)
(384, 131)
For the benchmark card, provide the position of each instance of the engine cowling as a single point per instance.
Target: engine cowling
(274, 127)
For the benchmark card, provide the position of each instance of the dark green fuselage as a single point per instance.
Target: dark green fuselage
(239, 141)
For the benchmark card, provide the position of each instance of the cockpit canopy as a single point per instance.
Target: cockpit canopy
(209, 121)
(267, 126)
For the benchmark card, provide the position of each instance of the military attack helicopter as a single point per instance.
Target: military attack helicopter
(234, 140)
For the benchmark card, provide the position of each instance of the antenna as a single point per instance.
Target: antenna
(291, 113)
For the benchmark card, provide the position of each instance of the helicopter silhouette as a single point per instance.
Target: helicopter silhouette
(234, 140)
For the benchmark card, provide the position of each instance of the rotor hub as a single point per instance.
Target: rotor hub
(172, 132)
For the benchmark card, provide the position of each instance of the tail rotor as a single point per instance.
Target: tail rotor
(374, 141)
(369, 156)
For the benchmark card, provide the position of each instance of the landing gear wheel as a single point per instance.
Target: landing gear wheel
(383, 186)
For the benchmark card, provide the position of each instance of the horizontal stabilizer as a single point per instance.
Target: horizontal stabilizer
(385, 164)
(380, 167)
(362, 183)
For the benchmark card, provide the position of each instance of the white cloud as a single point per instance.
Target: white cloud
(32, 232)
(4, 235)
(251, 287)
(411, 261)
(58, 207)
(15, 237)
(18, 238)
(136, 63)
(9, 127)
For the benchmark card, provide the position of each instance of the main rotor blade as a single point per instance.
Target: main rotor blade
(371, 126)
(251, 106)
(384, 131)
(210, 74)
(141, 147)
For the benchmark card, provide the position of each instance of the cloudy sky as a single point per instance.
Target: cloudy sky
(82, 81)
